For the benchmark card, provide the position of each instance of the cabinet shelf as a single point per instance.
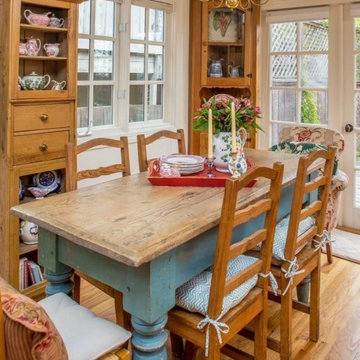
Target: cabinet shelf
(43, 58)
(36, 291)
(43, 28)
(25, 249)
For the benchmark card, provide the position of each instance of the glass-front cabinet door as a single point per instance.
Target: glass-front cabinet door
(226, 46)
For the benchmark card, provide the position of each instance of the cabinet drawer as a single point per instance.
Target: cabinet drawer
(39, 117)
(39, 147)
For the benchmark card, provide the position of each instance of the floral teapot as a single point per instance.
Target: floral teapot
(34, 81)
(33, 46)
(37, 19)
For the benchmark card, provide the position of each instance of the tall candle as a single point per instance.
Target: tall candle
(210, 145)
(233, 127)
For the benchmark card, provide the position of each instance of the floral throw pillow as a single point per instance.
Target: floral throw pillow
(29, 332)
(302, 148)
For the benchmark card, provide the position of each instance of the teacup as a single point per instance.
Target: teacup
(56, 22)
(52, 50)
(58, 85)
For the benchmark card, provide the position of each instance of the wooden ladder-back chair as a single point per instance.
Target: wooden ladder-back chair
(61, 315)
(72, 178)
(221, 318)
(143, 141)
(301, 259)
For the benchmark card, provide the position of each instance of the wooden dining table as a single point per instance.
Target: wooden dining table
(142, 240)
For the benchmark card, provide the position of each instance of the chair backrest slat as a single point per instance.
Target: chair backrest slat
(306, 236)
(247, 243)
(243, 276)
(72, 151)
(252, 211)
(143, 141)
(225, 251)
(317, 208)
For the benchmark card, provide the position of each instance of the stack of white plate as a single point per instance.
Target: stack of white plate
(186, 164)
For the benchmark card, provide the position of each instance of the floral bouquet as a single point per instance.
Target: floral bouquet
(245, 114)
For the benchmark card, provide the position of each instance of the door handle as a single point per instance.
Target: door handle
(349, 128)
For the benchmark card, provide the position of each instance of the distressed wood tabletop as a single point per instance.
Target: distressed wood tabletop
(134, 222)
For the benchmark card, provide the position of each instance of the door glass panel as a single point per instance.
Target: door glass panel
(138, 17)
(83, 59)
(155, 102)
(357, 110)
(226, 34)
(314, 36)
(314, 107)
(155, 62)
(357, 71)
(83, 107)
(357, 189)
(156, 25)
(284, 70)
(275, 133)
(84, 17)
(357, 33)
(103, 60)
(358, 151)
(137, 97)
(314, 71)
(283, 105)
(103, 110)
(137, 62)
(104, 18)
(283, 37)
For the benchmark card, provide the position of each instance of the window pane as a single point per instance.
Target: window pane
(314, 107)
(357, 71)
(83, 59)
(103, 99)
(357, 189)
(357, 109)
(155, 102)
(137, 62)
(284, 70)
(156, 25)
(103, 60)
(137, 23)
(314, 72)
(275, 133)
(314, 36)
(104, 18)
(84, 17)
(283, 37)
(283, 105)
(155, 62)
(357, 33)
(83, 107)
(137, 97)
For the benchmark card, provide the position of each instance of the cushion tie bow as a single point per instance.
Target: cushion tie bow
(291, 272)
(325, 239)
(273, 281)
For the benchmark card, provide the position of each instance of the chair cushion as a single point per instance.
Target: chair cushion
(302, 148)
(29, 332)
(194, 294)
(281, 234)
(85, 335)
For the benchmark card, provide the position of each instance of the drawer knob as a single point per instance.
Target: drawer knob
(43, 147)
(44, 117)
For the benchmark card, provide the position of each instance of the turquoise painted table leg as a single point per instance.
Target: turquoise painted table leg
(149, 340)
(59, 282)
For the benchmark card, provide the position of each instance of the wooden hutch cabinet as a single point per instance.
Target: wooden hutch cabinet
(36, 119)
(223, 45)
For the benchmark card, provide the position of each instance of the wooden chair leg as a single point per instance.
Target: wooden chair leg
(76, 290)
(122, 317)
(190, 351)
(260, 335)
(329, 253)
(286, 325)
(315, 304)
(177, 347)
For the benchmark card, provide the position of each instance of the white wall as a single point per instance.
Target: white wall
(178, 114)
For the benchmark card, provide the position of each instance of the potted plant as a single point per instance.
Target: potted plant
(245, 117)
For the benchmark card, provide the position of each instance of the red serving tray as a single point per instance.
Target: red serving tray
(198, 179)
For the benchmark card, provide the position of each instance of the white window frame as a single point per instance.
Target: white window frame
(121, 70)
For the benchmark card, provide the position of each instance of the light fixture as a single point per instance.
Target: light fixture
(233, 4)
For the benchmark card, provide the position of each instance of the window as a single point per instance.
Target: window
(103, 54)
(298, 66)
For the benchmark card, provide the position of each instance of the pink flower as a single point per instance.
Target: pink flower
(257, 110)
(304, 135)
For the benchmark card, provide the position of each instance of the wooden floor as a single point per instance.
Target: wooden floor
(340, 316)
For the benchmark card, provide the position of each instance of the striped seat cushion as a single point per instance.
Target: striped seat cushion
(194, 294)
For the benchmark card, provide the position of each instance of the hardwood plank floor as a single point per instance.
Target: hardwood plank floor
(340, 316)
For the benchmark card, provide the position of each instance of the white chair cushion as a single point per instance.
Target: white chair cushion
(281, 234)
(86, 336)
(194, 294)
